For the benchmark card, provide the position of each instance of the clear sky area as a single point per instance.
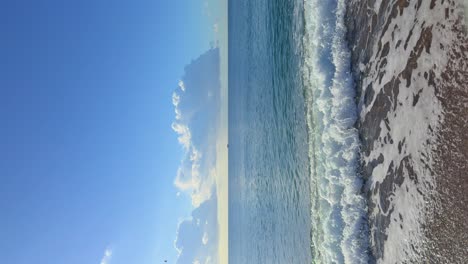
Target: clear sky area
(91, 147)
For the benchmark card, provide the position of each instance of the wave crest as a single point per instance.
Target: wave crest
(339, 210)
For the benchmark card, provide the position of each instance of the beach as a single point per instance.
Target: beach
(410, 65)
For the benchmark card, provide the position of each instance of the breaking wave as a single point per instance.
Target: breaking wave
(339, 210)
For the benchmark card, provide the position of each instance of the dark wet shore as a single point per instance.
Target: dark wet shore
(448, 229)
(440, 170)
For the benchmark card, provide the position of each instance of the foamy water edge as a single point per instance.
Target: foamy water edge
(339, 211)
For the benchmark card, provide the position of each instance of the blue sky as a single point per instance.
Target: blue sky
(89, 156)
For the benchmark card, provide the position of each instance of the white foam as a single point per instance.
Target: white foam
(339, 229)
(408, 123)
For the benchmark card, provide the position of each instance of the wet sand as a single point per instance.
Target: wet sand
(434, 72)
(447, 231)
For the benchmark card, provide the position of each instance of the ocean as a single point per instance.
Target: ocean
(294, 192)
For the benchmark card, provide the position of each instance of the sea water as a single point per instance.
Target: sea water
(339, 213)
(294, 191)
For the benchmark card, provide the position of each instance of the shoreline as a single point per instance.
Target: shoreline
(410, 63)
(448, 229)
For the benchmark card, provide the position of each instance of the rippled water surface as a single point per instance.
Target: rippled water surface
(294, 194)
(269, 193)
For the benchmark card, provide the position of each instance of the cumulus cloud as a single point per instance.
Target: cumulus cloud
(192, 236)
(107, 256)
(197, 103)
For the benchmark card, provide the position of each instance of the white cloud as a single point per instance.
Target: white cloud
(190, 241)
(107, 256)
(197, 105)
(178, 114)
(182, 85)
(181, 183)
(205, 238)
(175, 99)
(184, 133)
(196, 119)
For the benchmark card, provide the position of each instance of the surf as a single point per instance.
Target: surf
(339, 210)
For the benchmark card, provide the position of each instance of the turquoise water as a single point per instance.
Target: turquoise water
(294, 194)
